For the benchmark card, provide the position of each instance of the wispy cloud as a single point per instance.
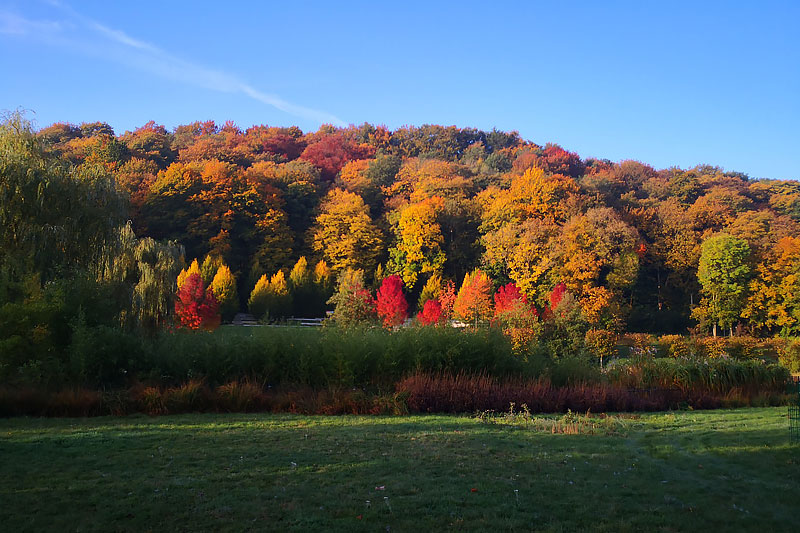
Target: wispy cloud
(13, 24)
(93, 37)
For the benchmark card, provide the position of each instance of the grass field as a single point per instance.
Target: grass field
(731, 470)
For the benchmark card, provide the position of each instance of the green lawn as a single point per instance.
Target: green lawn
(729, 470)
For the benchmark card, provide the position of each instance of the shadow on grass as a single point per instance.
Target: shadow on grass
(208, 472)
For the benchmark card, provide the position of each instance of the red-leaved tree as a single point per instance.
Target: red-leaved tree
(392, 305)
(331, 152)
(431, 314)
(556, 160)
(517, 318)
(557, 295)
(506, 299)
(195, 306)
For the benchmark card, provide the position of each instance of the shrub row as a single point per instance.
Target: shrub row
(422, 393)
(196, 396)
(104, 357)
(740, 347)
(110, 358)
(445, 393)
(699, 376)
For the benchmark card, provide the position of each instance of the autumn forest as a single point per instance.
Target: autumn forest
(638, 248)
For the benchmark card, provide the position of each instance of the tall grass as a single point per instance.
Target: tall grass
(327, 356)
(464, 393)
(712, 376)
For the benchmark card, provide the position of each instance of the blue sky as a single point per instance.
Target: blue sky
(667, 83)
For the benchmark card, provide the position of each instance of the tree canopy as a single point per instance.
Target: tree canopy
(635, 247)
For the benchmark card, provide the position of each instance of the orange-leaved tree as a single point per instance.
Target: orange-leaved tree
(473, 303)
(447, 297)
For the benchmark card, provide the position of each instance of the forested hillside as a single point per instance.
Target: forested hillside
(638, 248)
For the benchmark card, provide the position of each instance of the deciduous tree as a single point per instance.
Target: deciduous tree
(344, 233)
(352, 301)
(723, 273)
(431, 314)
(195, 306)
(390, 302)
(224, 287)
(773, 304)
(473, 303)
(418, 249)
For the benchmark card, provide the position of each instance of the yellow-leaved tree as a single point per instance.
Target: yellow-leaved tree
(210, 267)
(419, 242)
(194, 268)
(431, 290)
(344, 233)
(224, 287)
(270, 298)
(258, 302)
(774, 302)
(531, 195)
(281, 299)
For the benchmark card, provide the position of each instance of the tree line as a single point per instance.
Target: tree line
(635, 248)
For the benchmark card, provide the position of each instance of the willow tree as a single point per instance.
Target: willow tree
(149, 269)
(157, 264)
(54, 218)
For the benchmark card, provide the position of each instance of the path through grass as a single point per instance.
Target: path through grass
(683, 471)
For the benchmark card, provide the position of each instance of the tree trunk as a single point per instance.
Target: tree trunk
(715, 329)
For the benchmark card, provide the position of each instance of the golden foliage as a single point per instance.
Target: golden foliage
(419, 241)
(194, 268)
(344, 233)
(531, 195)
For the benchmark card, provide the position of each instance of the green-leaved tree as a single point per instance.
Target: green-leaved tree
(723, 274)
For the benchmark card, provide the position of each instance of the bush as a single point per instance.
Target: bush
(103, 356)
(713, 347)
(790, 355)
(35, 335)
(740, 347)
(189, 397)
(572, 371)
(151, 401)
(75, 402)
(642, 341)
(677, 346)
(564, 328)
(238, 396)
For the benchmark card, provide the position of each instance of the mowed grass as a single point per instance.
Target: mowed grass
(732, 470)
